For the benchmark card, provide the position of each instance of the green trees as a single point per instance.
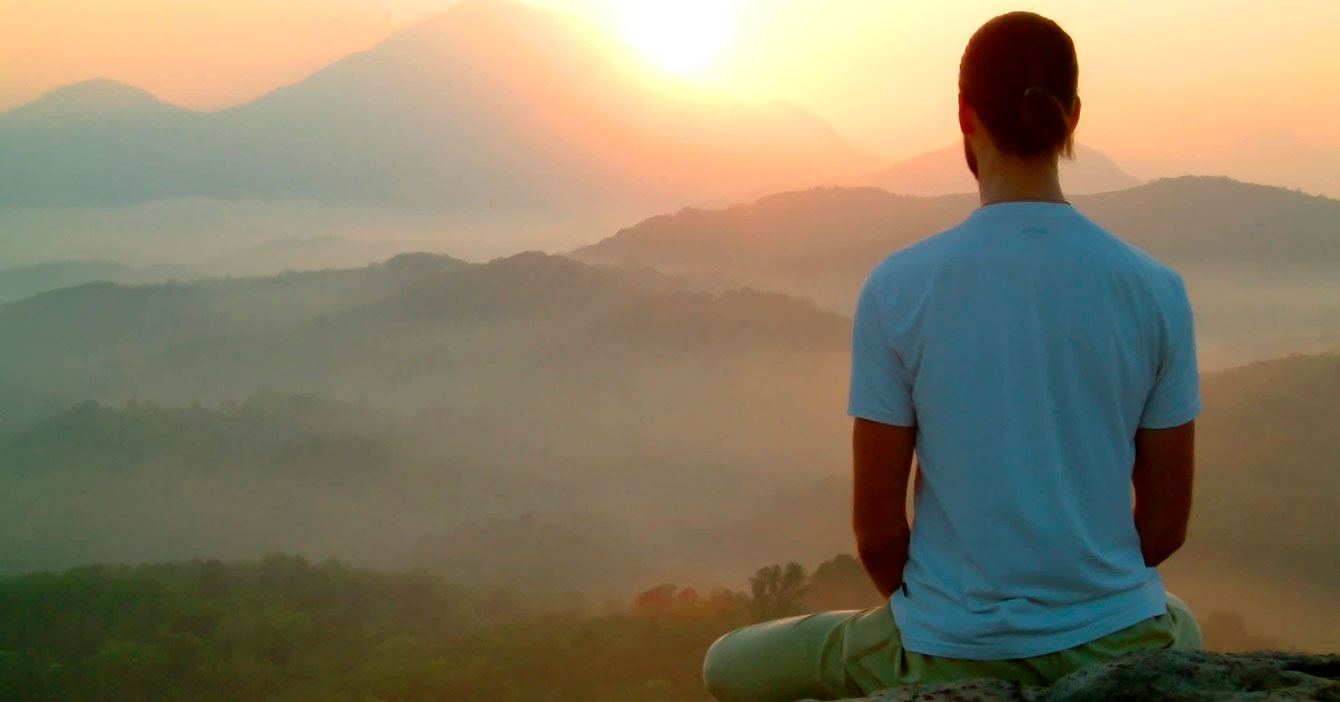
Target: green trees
(841, 583)
(284, 628)
(782, 591)
(777, 591)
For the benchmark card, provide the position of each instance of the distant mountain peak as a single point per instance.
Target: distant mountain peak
(488, 106)
(1219, 185)
(99, 93)
(943, 172)
(92, 97)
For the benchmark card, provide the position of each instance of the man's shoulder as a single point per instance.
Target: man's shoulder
(1136, 256)
(918, 258)
(1162, 276)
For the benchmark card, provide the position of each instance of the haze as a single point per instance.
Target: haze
(541, 314)
(1160, 80)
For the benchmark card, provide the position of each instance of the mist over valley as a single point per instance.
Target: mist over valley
(530, 421)
(505, 355)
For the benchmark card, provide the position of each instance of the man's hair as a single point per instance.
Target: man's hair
(1020, 75)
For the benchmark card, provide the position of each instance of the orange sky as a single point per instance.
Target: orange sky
(1157, 76)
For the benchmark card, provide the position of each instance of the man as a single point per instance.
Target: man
(1039, 367)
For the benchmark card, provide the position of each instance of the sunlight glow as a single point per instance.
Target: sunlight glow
(680, 35)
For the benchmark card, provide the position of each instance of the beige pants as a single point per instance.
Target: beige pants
(852, 653)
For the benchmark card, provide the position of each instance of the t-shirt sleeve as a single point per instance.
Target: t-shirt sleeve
(1175, 398)
(880, 389)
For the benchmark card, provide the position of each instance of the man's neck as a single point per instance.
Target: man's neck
(1008, 179)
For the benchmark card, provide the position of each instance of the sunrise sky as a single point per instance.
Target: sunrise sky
(1157, 76)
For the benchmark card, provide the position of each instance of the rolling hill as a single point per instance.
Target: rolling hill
(583, 393)
(23, 281)
(1273, 157)
(1261, 262)
(417, 410)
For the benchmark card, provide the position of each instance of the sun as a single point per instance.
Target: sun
(680, 35)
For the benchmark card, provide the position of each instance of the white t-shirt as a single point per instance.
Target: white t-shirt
(1026, 344)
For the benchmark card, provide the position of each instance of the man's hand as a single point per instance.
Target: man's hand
(882, 460)
(1164, 467)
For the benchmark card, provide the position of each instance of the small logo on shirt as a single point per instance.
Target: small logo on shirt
(1034, 231)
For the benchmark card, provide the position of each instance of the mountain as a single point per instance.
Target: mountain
(358, 333)
(492, 105)
(943, 172)
(22, 281)
(1276, 157)
(464, 393)
(411, 410)
(92, 100)
(315, 253)
(1261, 263)
(87, 341)
(614, 473)
(258, 237)
(1268, 458)
(1280, 158)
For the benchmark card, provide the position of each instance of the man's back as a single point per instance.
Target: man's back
(1041, 370)
(1027, 345)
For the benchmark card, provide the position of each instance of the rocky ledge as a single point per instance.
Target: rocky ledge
(1180, 676)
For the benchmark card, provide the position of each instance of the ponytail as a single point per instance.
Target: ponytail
(1043, 123)
(1020, 74)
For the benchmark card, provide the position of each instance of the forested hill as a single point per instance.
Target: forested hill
(410, 332)
(1261, 263)
(1188, 222)
(1268, 446)
(535, 420)
(284, 628)
(371, 408)
(474, 496)
(1265, 514)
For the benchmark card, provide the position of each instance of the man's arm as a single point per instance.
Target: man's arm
(882, 459)
(1164, 467)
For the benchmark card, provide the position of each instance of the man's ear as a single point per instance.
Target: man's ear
(1074, 116)
(966, 114)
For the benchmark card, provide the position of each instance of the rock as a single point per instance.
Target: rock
(1180, 676)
